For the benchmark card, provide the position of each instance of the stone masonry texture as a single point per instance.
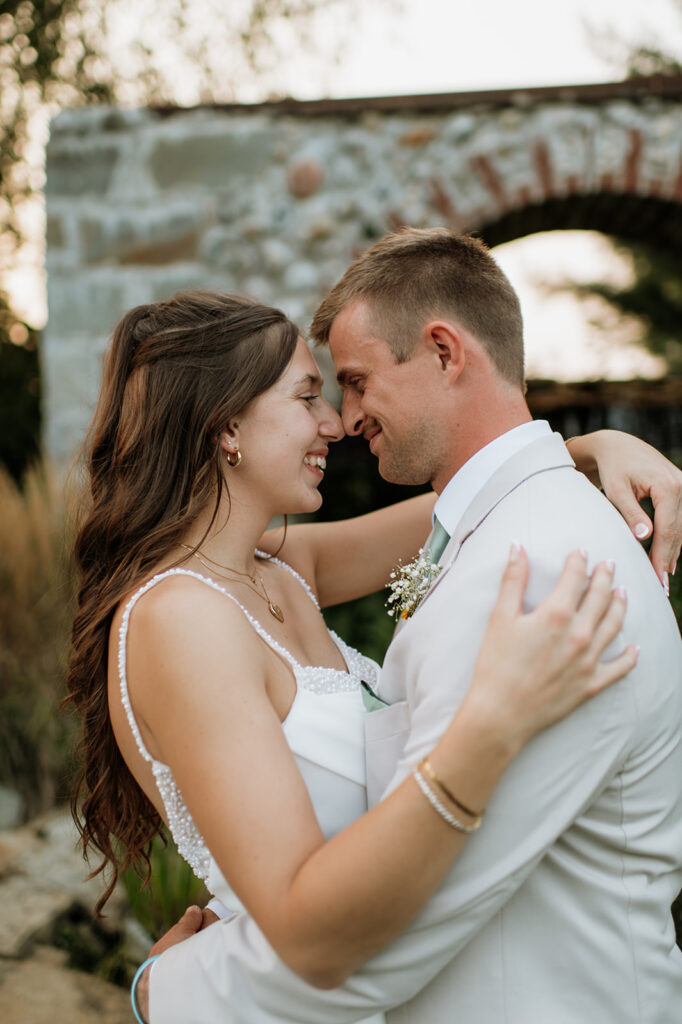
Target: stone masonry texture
(274, 201)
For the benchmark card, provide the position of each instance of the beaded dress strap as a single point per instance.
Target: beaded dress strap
(123, 635)
(292, 572)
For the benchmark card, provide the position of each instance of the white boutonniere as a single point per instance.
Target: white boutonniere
(410, 583)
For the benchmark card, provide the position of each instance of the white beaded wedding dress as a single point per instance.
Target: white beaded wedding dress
(324, 729)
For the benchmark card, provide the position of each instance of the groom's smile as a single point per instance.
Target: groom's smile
(370, 435)
(388, 402)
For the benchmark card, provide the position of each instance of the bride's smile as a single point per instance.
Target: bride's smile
(284, 436)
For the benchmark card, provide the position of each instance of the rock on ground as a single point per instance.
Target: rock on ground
(42, 878)
(42, 990)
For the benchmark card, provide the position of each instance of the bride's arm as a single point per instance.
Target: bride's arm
(327, 907)
(629, 470)
(353, 557)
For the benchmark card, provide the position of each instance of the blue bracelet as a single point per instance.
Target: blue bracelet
(140, 971)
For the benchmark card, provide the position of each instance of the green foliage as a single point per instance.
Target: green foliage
(364, 624)
(635, 56)
(654, 298)
(93, 948)
(59, 53)
(172, 888)
(19, 394)
(50, 50)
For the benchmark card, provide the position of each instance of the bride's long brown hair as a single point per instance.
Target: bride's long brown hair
(175, 374)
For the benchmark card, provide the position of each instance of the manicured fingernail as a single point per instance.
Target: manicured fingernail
(514, 551)
(621, 592)
(641, 531)
(672, 571)
(666, 583)
(611, 566)
(583, 552)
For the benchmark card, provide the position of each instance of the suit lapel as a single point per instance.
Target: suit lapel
(541, 456)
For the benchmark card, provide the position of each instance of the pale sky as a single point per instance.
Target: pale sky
(440, 46)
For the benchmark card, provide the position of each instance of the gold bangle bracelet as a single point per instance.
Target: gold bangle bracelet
(438, 807)
(427, 767)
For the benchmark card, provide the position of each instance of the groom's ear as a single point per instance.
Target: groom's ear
(445, 342)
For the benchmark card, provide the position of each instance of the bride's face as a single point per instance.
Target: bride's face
(284, 437)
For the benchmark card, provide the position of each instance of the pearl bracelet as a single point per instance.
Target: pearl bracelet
(451, 820)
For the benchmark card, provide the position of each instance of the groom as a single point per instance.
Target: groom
(557, 911)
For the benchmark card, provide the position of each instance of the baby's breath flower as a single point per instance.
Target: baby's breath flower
(410, 583)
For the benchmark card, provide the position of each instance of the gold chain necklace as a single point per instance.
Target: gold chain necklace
(218, 565)
(273, 608)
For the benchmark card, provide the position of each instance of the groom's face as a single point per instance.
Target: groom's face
(389, 403)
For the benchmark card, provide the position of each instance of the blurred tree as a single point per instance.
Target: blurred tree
(58, 53)
(635, 58)
(654, 296)
(19, 393)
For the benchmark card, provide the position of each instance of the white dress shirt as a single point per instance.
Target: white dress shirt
(475, 473)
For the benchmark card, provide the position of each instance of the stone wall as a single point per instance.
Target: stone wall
(274, 201)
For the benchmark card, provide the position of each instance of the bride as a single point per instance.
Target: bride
(213, 697)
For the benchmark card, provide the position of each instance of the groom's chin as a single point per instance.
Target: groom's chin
(406, 476)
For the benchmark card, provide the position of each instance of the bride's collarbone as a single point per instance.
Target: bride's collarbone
(303, 632)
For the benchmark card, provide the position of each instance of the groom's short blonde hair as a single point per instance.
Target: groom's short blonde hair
(416, 274)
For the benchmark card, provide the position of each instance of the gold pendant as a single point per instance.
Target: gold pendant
(275, 610)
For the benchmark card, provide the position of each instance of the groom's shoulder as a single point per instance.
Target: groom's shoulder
(564, 508)
(552, 514)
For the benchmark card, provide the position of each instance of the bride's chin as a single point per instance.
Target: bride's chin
(314, 503)
(301, 508)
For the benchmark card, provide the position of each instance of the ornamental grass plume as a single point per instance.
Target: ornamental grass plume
(36, 607)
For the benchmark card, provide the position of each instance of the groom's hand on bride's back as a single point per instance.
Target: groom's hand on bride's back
(192, 921)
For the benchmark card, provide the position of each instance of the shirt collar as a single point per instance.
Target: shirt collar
(460, 491)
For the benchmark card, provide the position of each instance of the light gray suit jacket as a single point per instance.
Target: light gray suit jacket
(558, 910)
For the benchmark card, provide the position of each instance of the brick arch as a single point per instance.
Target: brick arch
(620, 215)
(562, 162)
(275, 199)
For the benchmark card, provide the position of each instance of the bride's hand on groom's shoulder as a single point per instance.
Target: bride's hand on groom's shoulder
(630, 470)
(650, 475)
(534, 668)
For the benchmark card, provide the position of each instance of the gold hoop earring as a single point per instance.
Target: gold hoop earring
(236, 456)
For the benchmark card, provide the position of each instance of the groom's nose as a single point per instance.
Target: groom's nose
(351, 414)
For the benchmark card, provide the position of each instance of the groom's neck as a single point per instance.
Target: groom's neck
(476, 423)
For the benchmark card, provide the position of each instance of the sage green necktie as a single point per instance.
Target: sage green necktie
(439, 540)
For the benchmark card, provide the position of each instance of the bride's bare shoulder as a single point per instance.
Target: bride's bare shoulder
(180, 604)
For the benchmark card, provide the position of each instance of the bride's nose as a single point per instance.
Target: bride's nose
(331, 426)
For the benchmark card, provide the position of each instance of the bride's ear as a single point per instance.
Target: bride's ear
(228, 439)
